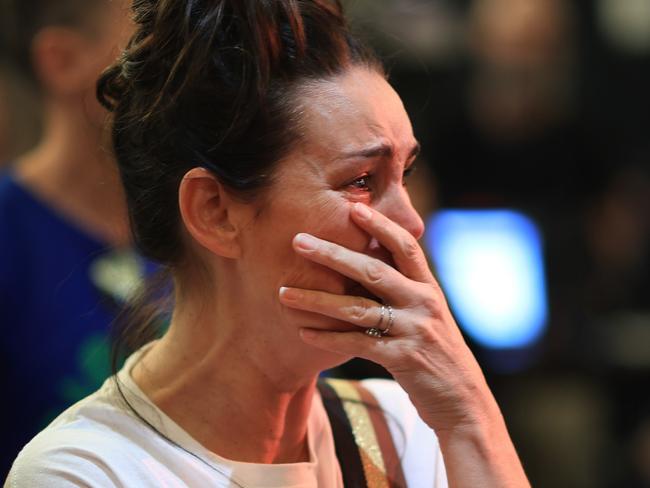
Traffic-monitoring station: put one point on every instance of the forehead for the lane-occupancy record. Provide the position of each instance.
(354, 110)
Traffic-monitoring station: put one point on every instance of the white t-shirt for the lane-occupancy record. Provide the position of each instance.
(100, 442)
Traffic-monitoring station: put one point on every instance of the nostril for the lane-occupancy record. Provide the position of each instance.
(414, 224)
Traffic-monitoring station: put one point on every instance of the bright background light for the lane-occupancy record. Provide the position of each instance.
(490, 265)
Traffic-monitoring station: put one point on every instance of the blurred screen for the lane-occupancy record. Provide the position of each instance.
(490, 264)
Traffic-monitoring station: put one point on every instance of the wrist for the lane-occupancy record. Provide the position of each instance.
(481, 450)
(466, 406)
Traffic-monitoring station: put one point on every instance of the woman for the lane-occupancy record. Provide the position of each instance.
(264, 158)
(63, 224)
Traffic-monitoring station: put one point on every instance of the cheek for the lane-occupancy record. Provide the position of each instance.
(329, 219)
(326, 217)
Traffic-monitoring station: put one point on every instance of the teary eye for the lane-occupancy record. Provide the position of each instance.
(361, 183)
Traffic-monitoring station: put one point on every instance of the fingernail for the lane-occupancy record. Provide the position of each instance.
(290, 294)
(362, 211)
(305, 241)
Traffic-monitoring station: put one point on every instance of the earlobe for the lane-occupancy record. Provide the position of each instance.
(209, 213)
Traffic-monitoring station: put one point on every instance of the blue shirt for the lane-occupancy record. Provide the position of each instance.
(56, 305)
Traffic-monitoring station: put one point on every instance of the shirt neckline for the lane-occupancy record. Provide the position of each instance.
(254, 474)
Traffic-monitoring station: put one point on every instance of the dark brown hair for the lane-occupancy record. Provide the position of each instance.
(214, 83)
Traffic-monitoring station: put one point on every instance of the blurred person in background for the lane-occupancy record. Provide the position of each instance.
(20, 112)
(63, 225)
(514, 139)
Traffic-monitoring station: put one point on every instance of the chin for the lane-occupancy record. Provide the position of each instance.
(319, 360)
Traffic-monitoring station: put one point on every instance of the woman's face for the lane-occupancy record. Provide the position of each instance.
(357, 146)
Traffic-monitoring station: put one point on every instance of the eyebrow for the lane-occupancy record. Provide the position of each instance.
(381, 150)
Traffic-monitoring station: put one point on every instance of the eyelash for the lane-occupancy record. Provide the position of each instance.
(407, 173)
(367, 177)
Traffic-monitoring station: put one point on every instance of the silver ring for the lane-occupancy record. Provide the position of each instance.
(373, 332)
(377, 331)
(382, 312)
(391, 319)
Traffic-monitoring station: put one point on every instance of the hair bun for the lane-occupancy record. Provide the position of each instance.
(212, 83)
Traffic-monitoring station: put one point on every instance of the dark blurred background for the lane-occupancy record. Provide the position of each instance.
(541, 106)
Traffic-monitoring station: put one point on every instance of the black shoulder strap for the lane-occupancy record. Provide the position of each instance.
(364, 445)
(347, 451)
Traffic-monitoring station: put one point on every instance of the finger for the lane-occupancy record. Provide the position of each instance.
(380, 278)
(357, 344)
(405, 249)
(355, 310)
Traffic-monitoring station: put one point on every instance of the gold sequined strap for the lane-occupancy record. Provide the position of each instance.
(381, 464)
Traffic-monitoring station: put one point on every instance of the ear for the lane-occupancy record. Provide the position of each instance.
(209, 213)
(62, 60)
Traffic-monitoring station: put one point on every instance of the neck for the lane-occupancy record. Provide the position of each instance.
(244, 407)
(72, 171)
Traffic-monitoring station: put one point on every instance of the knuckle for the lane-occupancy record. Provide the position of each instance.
(432, 306)
(411, 249)
(358, 310)
(431, 301)
(374, 271)
(426, 331)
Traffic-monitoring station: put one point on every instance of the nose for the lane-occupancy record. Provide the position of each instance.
(397, 207)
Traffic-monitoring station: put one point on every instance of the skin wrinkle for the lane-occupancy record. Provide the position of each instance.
(244, 322)
(338, 170)
(70, 168)
(337, 105)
